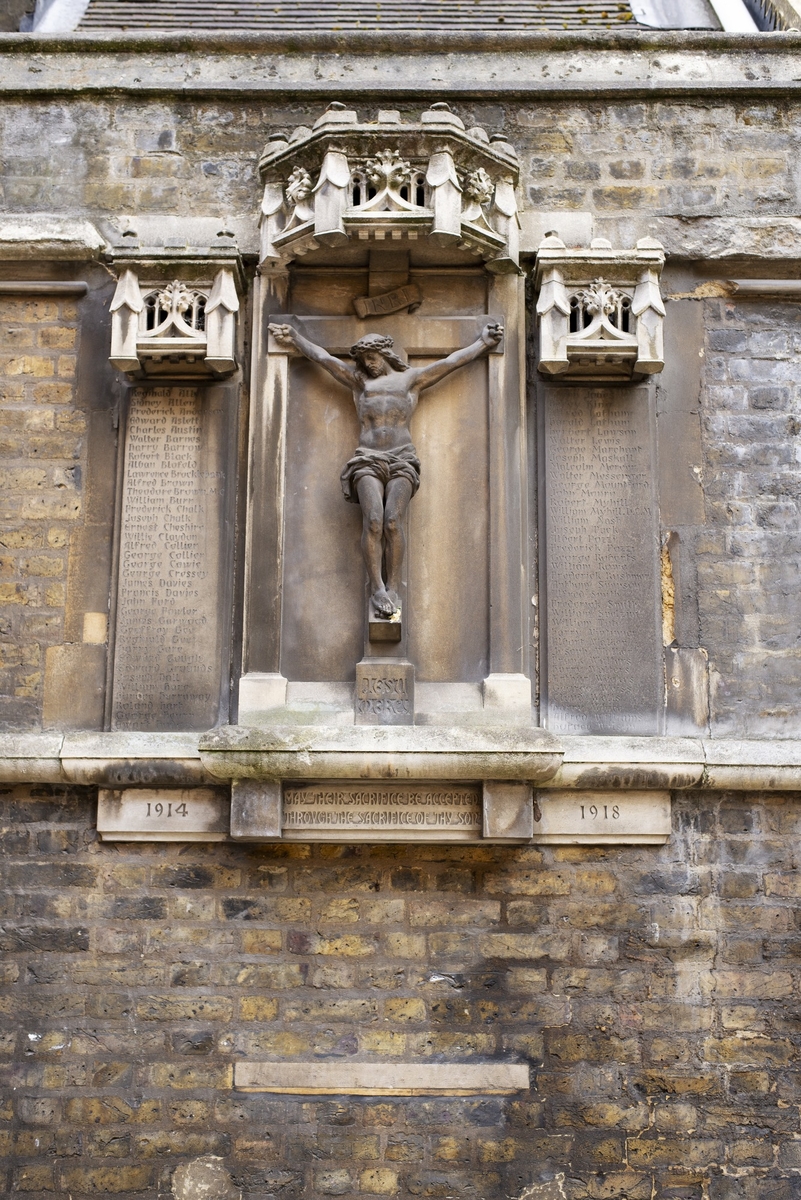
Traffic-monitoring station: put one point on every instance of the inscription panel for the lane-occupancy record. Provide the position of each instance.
(381, 812)
(170, 615)
(163, 815)
(602, 817)
(384, 693)
(602, 636)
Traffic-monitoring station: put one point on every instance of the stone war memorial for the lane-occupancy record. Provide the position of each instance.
(400, 633)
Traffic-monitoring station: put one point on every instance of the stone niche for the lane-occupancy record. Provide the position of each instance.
(174, 334)
(407, 230)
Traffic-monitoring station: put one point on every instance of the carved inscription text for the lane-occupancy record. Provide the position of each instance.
(449, 811)
(167, 650)
(603, 619)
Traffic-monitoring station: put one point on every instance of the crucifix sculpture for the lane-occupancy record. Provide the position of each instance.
(384, 472)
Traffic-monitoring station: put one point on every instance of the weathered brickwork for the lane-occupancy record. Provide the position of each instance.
(652, 159)
(651, 990)
(749, 566)
(41, 445)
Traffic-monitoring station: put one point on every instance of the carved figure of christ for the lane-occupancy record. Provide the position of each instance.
(384, 472)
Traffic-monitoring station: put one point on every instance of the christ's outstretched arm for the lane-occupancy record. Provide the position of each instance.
(287, 334)
(490, 337)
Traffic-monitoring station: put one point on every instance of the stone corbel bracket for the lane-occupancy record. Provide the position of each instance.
(395, 752)
(600, 311)
(387, 180)
(173, 315)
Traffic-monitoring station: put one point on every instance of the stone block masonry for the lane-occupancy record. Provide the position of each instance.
(647, 988)
(749, 558)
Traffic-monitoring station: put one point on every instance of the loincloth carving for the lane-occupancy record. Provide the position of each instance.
(382, 465)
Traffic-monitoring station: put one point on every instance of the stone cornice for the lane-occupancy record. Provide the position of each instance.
(620, 763)
(367, 65)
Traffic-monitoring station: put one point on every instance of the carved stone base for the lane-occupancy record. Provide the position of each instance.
(384, 692)
(383, 629)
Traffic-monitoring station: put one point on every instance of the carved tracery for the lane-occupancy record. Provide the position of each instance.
(600, 312)
(389, 180)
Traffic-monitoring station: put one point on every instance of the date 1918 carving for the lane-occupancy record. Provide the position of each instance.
(610, 811)
(562, 815)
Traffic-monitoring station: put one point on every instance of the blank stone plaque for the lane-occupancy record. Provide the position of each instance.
(170, 618)
(602, 631)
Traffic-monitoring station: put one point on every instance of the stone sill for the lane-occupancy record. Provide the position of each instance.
(115, 760)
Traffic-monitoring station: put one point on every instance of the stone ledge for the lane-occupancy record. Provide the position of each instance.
(35, 236)
(381, 752)
(139, 759)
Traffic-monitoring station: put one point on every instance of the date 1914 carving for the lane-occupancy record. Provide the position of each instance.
(384, 472)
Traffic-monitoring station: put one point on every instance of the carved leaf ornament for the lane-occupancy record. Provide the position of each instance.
(479, 187)
(388, 173)
(600, 311)
(175, 311)
(299, 186)
(298, 192)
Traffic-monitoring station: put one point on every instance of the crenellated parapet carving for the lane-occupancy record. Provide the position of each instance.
(173, 313)
(600, 311)
(389, 180)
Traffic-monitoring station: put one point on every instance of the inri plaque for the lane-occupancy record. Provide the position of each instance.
(168, 644)
(602, 636)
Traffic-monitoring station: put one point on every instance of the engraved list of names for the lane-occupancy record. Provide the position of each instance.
(603, 646)
(167, 645)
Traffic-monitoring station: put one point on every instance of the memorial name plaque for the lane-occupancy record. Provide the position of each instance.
(168, 642)
(602, 632)
(567, 817)
(163, 815)
(384, 692)
(392, 812)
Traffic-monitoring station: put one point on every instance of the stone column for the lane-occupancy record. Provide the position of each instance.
(262, 686)
(507, 689)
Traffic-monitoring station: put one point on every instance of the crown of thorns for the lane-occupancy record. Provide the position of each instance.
(381, 342)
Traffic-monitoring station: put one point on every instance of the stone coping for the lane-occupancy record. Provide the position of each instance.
(139, 759)
(368, 65)
(302, 41)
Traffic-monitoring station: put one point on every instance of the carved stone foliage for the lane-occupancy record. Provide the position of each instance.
(600, 311)
(389, 180)
(174, 311)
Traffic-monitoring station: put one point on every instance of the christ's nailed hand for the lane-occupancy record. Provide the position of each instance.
(284, 334)
(492, 333)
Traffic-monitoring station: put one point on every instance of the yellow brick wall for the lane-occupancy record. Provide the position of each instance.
(41, 444)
